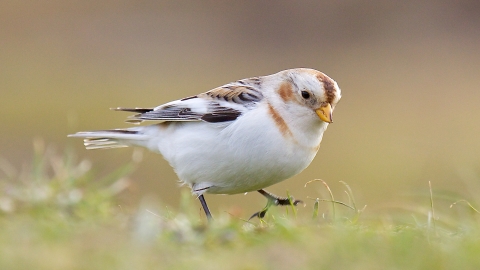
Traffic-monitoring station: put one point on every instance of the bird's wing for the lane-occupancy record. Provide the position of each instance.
(225, 103)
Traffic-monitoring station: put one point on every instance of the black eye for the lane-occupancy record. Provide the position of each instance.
(305, 95)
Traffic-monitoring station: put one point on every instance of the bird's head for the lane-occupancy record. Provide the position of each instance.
(310, 89)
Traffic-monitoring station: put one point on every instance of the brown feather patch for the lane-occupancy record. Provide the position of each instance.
(234, 93)
(285, 91)
(329, 86)
(281, 124)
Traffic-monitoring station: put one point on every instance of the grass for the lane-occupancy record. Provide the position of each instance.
(57, 214)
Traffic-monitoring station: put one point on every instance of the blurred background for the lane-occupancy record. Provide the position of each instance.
(409, 71)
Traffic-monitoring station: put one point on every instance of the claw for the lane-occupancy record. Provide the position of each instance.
(297, 202)
(259, 214)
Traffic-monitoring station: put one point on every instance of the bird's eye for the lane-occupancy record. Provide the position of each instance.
(305, 95)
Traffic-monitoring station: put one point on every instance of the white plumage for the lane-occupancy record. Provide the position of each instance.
(243, 136)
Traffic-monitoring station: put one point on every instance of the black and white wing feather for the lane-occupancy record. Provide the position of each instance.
(225, 103)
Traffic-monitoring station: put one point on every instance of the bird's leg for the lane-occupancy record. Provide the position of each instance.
(205, 207)
(273, 199)
(279, 200)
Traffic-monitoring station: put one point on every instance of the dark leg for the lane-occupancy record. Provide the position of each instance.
(273, 200)
(278, 200)
(205, 207)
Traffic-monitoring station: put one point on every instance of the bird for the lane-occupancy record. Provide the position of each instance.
(241, 137)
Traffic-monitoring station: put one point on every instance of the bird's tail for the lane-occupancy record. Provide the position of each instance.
(115, 138)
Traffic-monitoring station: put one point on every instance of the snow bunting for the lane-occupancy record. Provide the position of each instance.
(240, 137)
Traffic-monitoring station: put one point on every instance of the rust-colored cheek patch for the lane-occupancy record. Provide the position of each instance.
(285, 91)
(279, 122)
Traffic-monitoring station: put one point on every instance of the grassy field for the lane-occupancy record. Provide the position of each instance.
(408, 117)
(57, 214)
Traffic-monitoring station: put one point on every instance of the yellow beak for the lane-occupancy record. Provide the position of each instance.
(325, 113)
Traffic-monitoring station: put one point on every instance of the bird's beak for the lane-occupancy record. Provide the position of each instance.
(325, 113)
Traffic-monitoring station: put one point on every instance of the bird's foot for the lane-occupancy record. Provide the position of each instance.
(274, 200)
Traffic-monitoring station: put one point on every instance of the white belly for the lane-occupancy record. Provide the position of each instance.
(230, 160)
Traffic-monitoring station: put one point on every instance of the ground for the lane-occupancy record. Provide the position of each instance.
(59, 215)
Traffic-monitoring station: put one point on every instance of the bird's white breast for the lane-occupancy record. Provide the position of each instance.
(248, 154)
